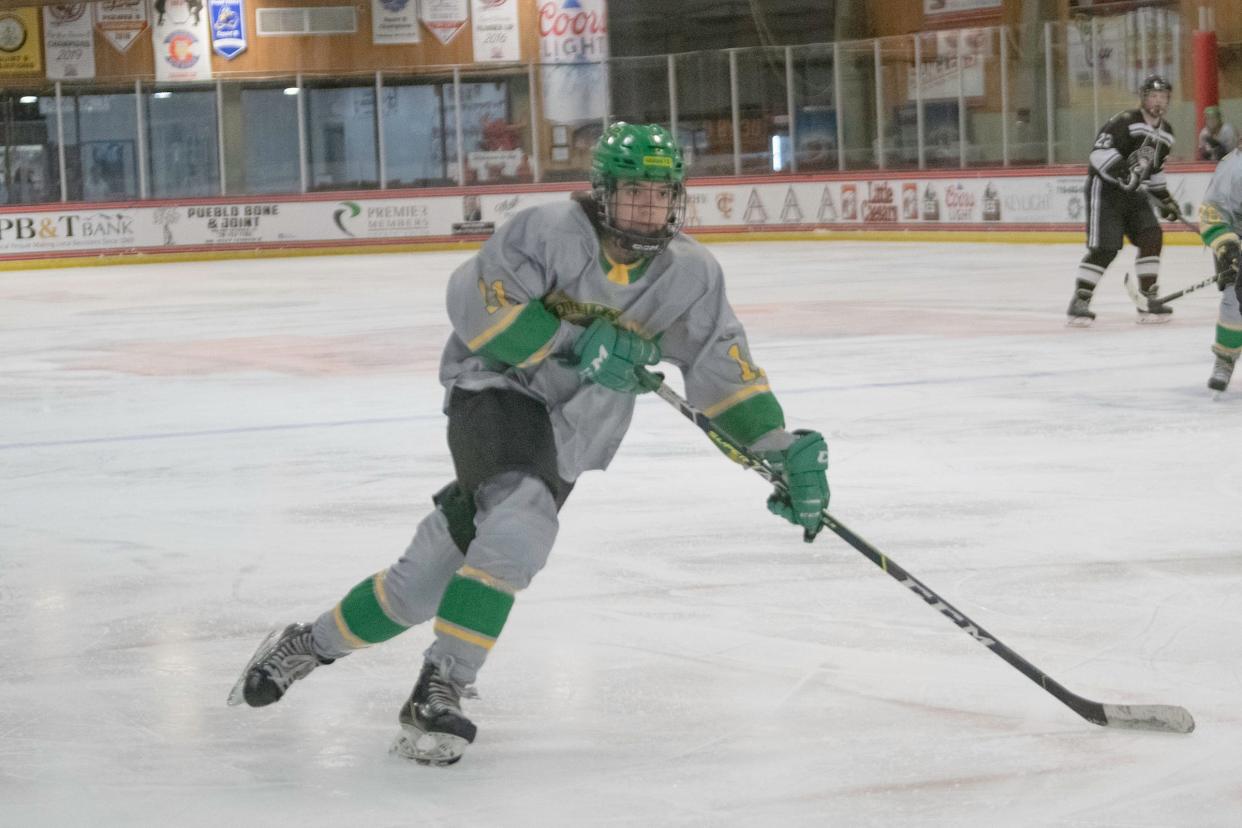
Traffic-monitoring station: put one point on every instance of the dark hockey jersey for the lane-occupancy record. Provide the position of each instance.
(1117, 147)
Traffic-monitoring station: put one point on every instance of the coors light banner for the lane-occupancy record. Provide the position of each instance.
(573, 44)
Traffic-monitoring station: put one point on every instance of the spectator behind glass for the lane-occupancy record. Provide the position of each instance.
(1217, 139)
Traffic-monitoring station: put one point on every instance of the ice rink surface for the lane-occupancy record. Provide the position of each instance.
(193, 452)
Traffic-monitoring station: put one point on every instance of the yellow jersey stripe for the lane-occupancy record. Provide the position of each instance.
(495, 330)
(470, 637)
(343, 628)
(476, 574)
(732, 400)
(381, 594)
(537, 357)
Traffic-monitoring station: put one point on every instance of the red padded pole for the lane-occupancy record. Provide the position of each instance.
(1206, 73)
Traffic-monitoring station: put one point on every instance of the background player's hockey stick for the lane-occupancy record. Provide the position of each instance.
(1143, 303)
(1163, 717)
(1211, 280)
(1136, 296)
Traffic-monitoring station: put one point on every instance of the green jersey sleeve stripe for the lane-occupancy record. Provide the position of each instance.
(1211, 233)
(524, 335)
(751, 418)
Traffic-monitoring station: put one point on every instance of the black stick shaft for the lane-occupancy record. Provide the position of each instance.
(1092, 711)
(1180, 293)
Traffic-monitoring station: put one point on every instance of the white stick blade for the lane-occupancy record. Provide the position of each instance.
(1135, 295)
(1166, 717)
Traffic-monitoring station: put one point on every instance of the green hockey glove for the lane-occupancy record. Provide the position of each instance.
(804, 467)
(1227, 254)
(609, 355)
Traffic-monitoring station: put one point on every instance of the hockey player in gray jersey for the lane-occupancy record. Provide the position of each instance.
(1220, 219)
(552, 320)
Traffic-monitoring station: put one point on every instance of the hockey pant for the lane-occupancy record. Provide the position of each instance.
(470, 597)
(491, 533)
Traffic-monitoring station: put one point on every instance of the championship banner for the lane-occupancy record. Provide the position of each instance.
(496, 33)
(1109, 51)
(21, 50)
(179, 38)
(934, 7)
(69, 42)
(394, 21)
(944, 78)
(573, 45)
(228, 27)
(443, 18)
(120, 21)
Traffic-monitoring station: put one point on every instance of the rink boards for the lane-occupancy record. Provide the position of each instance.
(1042, 204)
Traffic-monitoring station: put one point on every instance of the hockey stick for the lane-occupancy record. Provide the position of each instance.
(1180, 216)
(1143, 303)
(1211, 280)
(1164, 717)
(1136, 296)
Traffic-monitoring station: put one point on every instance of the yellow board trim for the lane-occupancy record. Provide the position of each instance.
(448, 628)
(496, 330)
(352, 640)
(730, 401)
(998, 236)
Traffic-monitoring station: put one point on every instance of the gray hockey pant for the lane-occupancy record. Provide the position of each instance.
(1229, 325)
(515, 526)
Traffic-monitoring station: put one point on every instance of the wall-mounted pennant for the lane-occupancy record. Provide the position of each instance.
(121, 21)
(21, 49)
(443, 18)
(180, 39)
(394, 21)
(228, 27)
(68, 41)
(496, 33)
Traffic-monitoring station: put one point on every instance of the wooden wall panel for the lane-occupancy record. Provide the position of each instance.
(319, 54)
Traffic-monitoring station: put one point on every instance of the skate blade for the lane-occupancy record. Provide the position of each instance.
(434, 749)
(237, 694)
(1079, 322)
(1154, 318)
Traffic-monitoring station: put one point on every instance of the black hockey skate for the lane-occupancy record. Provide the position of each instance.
(1078, 314)
(1156, 313)
(284, 656)
(433, 729)
(1221, 372)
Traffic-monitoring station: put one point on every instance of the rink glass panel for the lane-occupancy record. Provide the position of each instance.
(101, 143)
(261, 145)
(183, 152)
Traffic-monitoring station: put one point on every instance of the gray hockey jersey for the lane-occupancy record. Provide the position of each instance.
(1220, 214)
(518, 305)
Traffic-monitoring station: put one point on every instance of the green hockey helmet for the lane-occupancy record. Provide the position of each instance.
(628, 153)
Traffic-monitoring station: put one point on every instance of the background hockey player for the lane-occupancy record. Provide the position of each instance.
(551, 321)
(1126, 164)
(1220, 218)
(1218, 138)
